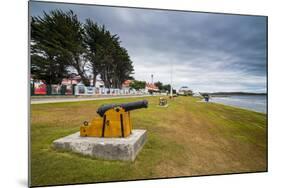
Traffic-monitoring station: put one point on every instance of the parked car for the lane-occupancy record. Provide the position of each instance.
(185, 91)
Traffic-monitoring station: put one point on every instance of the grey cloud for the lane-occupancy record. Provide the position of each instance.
(211, 52)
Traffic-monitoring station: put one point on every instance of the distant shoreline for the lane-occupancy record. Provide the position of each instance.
(256, 103)
(234, 93)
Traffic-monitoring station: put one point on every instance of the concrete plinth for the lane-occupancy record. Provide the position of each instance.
(105, 148)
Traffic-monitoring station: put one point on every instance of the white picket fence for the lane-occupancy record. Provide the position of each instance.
(84, 90)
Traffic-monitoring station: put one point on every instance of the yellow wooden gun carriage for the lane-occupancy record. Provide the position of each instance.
(114, 120)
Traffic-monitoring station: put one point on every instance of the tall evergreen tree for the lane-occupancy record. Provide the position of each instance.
(61, 45)
(46, 60)
(57, 45)
(107, 58)
(94, 39)
(124, 67)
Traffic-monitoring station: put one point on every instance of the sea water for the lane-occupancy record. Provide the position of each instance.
(256, 103)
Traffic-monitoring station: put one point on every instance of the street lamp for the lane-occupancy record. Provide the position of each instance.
(171, 88)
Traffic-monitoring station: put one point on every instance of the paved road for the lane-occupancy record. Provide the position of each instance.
(42, 100)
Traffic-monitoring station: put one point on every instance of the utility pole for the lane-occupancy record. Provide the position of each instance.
(171, 89)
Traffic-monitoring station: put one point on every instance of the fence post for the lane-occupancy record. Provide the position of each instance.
(32, 90)
(63, 89)
(49, 89)
(73, 89)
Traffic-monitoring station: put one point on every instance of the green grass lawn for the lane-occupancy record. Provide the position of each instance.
(188, 138)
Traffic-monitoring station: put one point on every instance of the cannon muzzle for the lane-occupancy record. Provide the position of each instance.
(126, 106)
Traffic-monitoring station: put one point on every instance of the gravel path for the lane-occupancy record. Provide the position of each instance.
(42, 100)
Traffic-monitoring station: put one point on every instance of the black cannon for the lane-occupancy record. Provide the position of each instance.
(114, 120)
(126, 106)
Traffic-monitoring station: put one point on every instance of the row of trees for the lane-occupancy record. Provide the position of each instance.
(137, 84)
(141, 85)
(163, 87)
(61, 45)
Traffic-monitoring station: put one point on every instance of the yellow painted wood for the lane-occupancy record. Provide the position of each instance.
(112, 126)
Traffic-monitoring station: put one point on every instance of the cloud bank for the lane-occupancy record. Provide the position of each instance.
(206, 52)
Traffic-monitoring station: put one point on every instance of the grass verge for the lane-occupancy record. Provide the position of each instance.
(185, 139)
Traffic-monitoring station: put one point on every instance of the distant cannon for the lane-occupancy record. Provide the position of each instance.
(205, 96)
(114, 120)
(163, 102)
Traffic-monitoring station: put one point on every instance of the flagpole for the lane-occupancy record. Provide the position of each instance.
(171, 89)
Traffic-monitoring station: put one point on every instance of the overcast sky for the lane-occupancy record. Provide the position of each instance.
(208, 52)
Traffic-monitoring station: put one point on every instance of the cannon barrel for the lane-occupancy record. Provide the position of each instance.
(126, 106)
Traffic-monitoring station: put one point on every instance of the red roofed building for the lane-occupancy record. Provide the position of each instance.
(150, 87)
(74, 79)
(126, 83)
